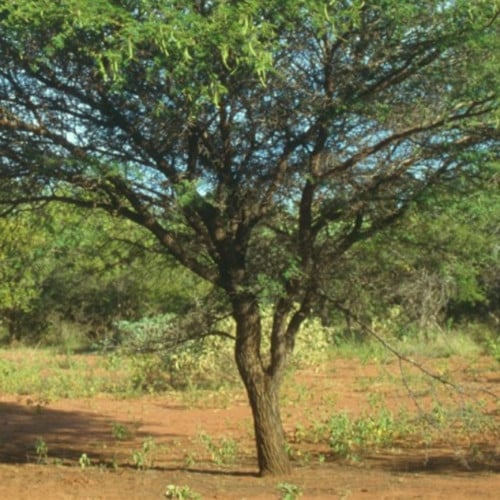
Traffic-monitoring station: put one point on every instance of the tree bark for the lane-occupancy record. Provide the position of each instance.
(270, 439)
(263, 393)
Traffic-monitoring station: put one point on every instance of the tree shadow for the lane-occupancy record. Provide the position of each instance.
(250, 470)
(26, 428)
(66, 434)
(484, 458)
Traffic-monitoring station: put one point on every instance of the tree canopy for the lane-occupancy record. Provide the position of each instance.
(257, 141)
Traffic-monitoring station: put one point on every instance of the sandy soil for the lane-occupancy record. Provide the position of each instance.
(113, 432)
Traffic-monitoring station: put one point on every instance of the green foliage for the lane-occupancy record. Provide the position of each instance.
(289, 491)
(223, 452)
(144, 458)
(120, 432)
(493, 346)
(214, 67)
(165, 359)
(41, 451)
(259, 146)
(67, 277)
(25, 249)
(181, 492)
(438, 265)
(84, 461)
(21, 241)
(350, 438)
(48, 376)
(176, 37)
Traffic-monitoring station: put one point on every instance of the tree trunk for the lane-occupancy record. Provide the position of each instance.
(269, 434)
(263, 392)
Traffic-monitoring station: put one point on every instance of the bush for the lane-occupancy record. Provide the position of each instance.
(350, 438)
(168, 358)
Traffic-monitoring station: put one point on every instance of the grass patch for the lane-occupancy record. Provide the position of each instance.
(352, 437)
(49, 376)
(440, 345)
(199, 375)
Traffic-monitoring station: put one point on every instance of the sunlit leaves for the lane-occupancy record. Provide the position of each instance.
(23, 248)
(259, 135)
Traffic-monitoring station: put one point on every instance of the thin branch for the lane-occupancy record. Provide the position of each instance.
(471, 111)
(156, 346)
(401, 357)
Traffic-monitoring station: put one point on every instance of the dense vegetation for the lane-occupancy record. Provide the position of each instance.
(67, 279)
(65, 274)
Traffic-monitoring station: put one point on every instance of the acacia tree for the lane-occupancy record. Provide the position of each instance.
(257, 141)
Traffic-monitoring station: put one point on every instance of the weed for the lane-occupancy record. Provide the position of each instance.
(195, 397)
(299, 433)
(50, 376)
(181, 492)
(349, 438)
(493, 346)
(149, 374)
(190, 459)
(120, 432)
(84, 461)
(113, 464)
(467, 420)
(222, 453)
(144, 458)
(289, 491)
(41, 451)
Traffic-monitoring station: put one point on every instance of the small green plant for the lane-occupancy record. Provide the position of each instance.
(144, 458)
(289, 491)
(114, 465)
(41, 451)
(120, 432)
(493, 346)
(181, 492)
(222, 453)
(190, 459)
(84, 461)
(349, 438)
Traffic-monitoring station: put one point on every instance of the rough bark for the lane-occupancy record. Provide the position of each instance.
(269, 434)
(262, 387)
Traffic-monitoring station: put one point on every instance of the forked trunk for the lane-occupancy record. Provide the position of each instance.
(263, 394)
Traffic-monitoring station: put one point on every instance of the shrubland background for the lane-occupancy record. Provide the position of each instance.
(88, 283)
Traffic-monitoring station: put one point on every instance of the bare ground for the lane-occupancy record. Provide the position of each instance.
(113, 432)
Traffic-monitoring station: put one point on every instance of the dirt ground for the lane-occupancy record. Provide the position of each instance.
(167, 435)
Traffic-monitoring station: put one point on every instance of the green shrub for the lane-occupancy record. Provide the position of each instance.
(181, 492)
(351, 438)
(164, 358)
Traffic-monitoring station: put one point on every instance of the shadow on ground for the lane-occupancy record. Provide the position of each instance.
(66, 434)
(70, 433)
(483, 458)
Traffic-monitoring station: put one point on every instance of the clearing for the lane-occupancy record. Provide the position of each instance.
(107, 447)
